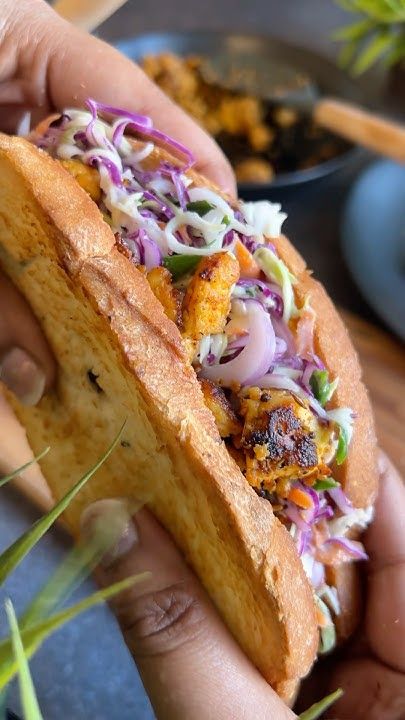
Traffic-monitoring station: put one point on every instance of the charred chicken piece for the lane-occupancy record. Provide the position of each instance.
(216, 400)
(160, 281)
(283, 441)
(208, 297)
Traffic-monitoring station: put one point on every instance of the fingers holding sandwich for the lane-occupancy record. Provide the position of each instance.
(134, 91)
(27, 367)
(49, 65)
(189, 663)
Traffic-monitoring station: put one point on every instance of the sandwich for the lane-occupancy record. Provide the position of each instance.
(188, 315)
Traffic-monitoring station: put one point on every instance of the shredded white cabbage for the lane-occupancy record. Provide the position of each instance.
(344, 418)
(360, 517)
(277, 271)
(265, 217)
(203, 348)
(327, 633)
(211, 344)
(262, 218)
(330, 596)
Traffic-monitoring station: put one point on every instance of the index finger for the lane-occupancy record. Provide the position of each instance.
(81, 66)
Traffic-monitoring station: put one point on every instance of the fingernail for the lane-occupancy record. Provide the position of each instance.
(22, 375)
(382, 462)
(110, 518)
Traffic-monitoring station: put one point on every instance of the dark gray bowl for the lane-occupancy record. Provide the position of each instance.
(261, 49)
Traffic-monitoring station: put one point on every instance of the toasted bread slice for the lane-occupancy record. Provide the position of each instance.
(120, 358)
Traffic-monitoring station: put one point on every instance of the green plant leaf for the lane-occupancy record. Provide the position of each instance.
(397, 52)
(73, 570)
(33, 636)
(28, 697)
(375, 49)
(316, 710)
(356, 31)
(6, 478)
(11, 557)
(347, 54)
(383, 11)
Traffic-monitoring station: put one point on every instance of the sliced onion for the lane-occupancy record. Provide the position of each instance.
(302, 540)
(353, 547)
(286, 371)
(239, 342)
(341, 500)
(325, 513)
(283, 331)
(293, 514)
(281, 349)
(310, 514)
(255, 357)
(318, 574)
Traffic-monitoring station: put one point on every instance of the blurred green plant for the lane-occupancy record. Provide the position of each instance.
(318, 709)
(377, 34)
(40, 620)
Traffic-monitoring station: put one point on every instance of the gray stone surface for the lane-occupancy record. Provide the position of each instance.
(84, 671)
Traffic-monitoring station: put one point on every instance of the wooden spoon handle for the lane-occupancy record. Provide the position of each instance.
(87, 14)
(362, 127)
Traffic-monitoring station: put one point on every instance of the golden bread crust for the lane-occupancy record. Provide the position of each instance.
(121, 358)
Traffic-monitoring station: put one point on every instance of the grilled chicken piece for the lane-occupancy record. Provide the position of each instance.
(283, 441)
(225, 418)
(87, 177)
(208, 296)
(160, 281)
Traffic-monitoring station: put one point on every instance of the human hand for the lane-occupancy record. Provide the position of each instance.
(189, 662)
(371, 668)
(192, 667)
(46, 64)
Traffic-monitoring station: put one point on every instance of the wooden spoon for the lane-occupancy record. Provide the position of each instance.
(284, 85)
(87, 14)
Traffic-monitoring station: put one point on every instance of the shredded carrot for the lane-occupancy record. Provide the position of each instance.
(300, 498)
(320, 617)
(248, 265)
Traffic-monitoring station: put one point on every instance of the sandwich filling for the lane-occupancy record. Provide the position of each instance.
(213, 266)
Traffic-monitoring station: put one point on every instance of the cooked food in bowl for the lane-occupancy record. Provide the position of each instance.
(260, 138)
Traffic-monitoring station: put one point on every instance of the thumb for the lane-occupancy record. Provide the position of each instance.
(189, 663)
(26, 364)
